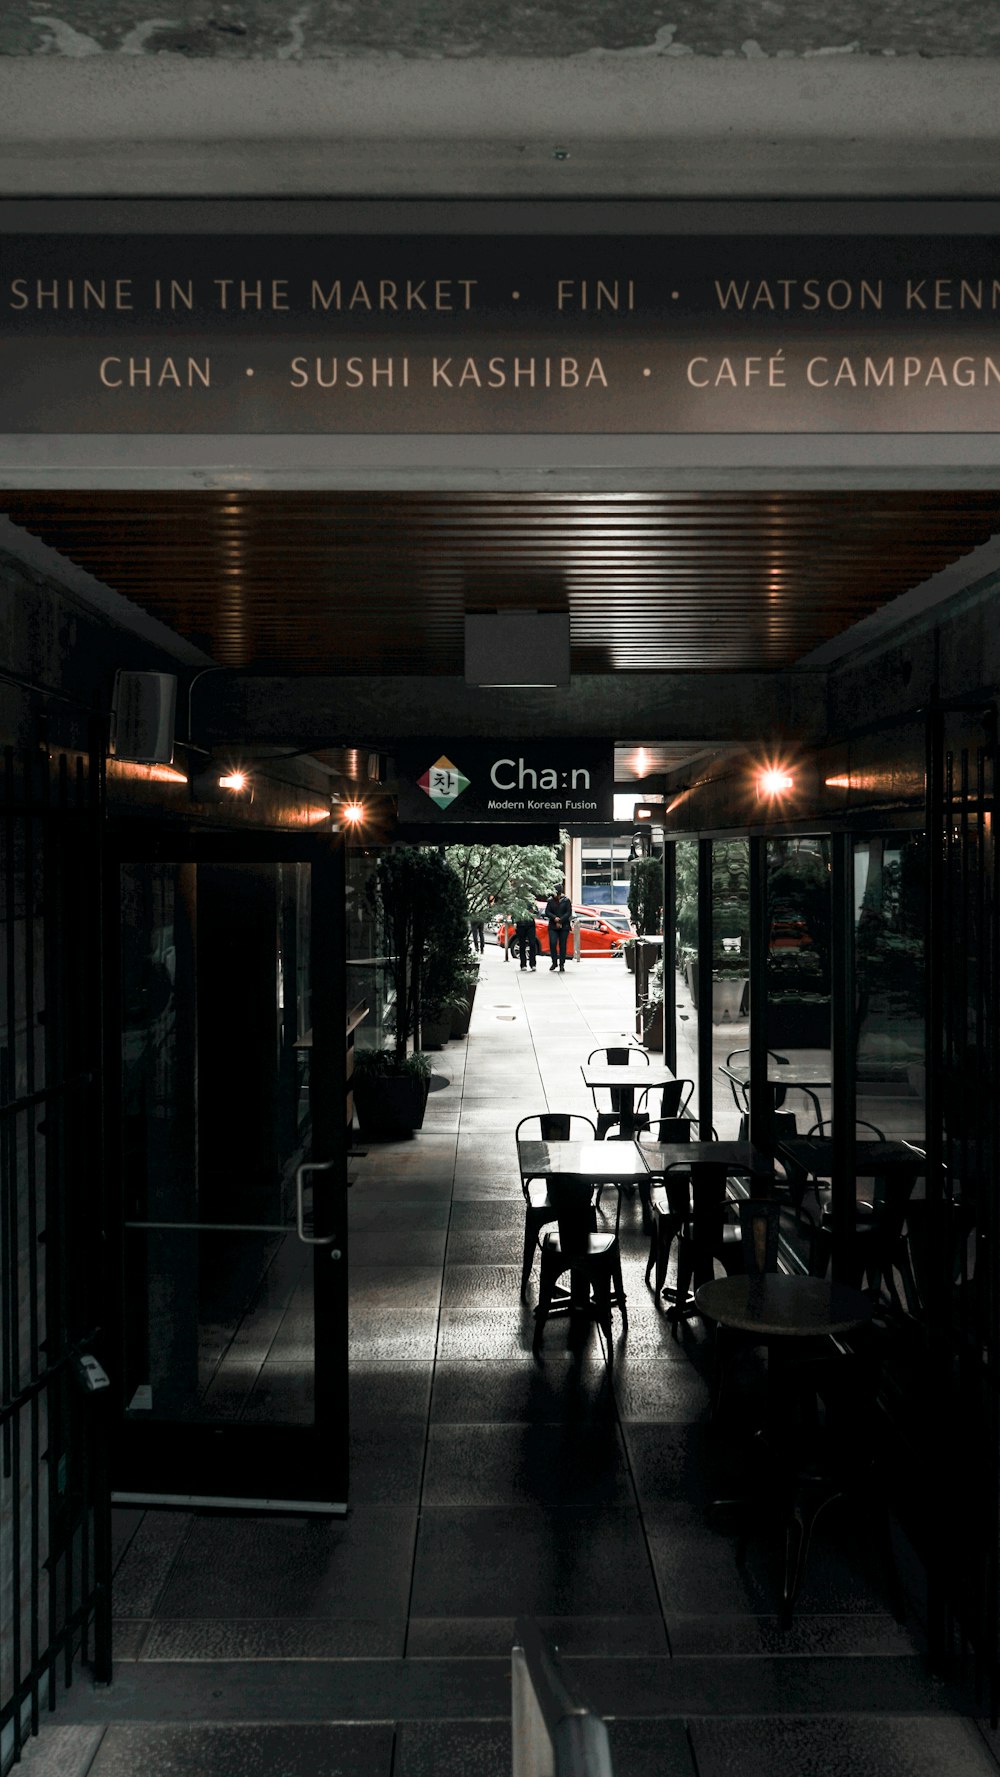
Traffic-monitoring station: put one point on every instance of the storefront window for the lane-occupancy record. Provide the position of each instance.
(686, 855)
(730, 982)
(369, 979)
(797, 936)
(889, 924)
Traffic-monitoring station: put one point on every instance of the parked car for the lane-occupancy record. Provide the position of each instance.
(598, 937)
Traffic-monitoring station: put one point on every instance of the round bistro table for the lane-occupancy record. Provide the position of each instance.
(780, 1307)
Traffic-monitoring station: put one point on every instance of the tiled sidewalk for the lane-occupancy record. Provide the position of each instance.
(485, 1485)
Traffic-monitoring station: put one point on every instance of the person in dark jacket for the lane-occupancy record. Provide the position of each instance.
(559, 913)
(526, 939)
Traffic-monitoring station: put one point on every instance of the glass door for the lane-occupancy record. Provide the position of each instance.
(229, 1006)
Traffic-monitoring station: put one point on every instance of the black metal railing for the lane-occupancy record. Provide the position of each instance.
(54, 1511)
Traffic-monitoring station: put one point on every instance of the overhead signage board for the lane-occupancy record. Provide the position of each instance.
(473, 781)
(258, 334)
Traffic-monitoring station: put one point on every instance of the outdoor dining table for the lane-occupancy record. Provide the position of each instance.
(603, 1162)
(627, 1081)
(814, 1154)
(779, 1307)
(785, 1073)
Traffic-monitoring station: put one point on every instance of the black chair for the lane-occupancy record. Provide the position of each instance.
(547, 1126)
(590, 1257)
(609, 1101)
(707, 1233)
(675, 1098)
(659, 1218)
(741, 1092)
(825, 1449)
(760, 1224)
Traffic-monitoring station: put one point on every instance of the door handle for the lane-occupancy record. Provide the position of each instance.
(300, 1177)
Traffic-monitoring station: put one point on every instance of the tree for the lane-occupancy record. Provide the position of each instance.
(645, 894)
(508, 876)
(423, 917)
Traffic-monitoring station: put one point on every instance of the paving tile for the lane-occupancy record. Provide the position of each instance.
(651, 1748)
(399, 1287)
(287, 1567)
(861, 1634)
(557, 1562)
(504, 1392)
(597, 1637)
(487, 1246)
(666, 1390)
(453, 1749)
(687, 1463)
(469, 1465)
(388, 1247)
(246, 1750)
(268, 1638)
(127, 1637)
(837, 1746)
(125, 1521)
(398, 1216)
(389, 1393)
(470, 1214)
(146, 1564)
(697, 1572)
(60, 1751)
(386, 1463)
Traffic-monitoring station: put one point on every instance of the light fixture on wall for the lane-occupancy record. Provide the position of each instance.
(527, 650)
(222, 783)
(773, 781)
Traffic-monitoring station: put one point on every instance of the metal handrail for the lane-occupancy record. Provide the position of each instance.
(552, 1734)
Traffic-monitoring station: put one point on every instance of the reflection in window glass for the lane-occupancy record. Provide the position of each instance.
(889, 923)
(797, 938)
(730, 982)
(686, 856)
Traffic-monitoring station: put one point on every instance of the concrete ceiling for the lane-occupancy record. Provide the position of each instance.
(304, 29)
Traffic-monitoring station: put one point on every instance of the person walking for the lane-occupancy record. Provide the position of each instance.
(477, 928)
(559, 913)
(526, 939)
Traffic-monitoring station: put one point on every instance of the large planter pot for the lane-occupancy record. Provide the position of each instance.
(461, 1019)
(389, 1107)
(435, 1033)
(652, 1034)
(629, 950)
(727, 999)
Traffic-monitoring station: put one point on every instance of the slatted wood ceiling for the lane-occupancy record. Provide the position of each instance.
(377, 583)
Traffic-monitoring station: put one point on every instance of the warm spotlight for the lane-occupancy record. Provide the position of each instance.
(233, 780)
(353, 813)
(774, 780)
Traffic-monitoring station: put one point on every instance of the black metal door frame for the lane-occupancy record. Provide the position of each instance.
(53, 1433)
(167, 1462)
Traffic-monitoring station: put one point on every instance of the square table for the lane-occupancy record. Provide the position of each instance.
(627, 1081)
(603, 1162)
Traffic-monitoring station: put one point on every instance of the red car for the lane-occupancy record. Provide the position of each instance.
(597, 936)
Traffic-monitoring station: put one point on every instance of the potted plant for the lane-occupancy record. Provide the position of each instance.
(420, 909)
(390, 1099)
(461, 1015)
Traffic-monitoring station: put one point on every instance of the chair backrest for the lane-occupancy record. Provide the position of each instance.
(861, 1127)
(572, 1199)
(675, 1097)
(759, 1226)
(619, 1057)
(677, 1184)
(666, 1129)
(741, 1093)
(556, 1126)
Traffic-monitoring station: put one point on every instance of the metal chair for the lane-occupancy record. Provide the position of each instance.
(741, 1091)
(675, 1098)
(549, 1126)
(609, 1100)
(705, 1235)
(759, 1222)
(591, 1257)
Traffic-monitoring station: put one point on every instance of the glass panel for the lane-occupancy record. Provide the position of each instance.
(218, 1314)
(797, 937)
(889, 926)
(368, 979)
(686, 866)
(730, 980)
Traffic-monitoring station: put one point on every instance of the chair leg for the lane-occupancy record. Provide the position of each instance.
(619, 1283)
(602, 1302)
(546, 1284)
(534, 1221)
(666, 1230)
